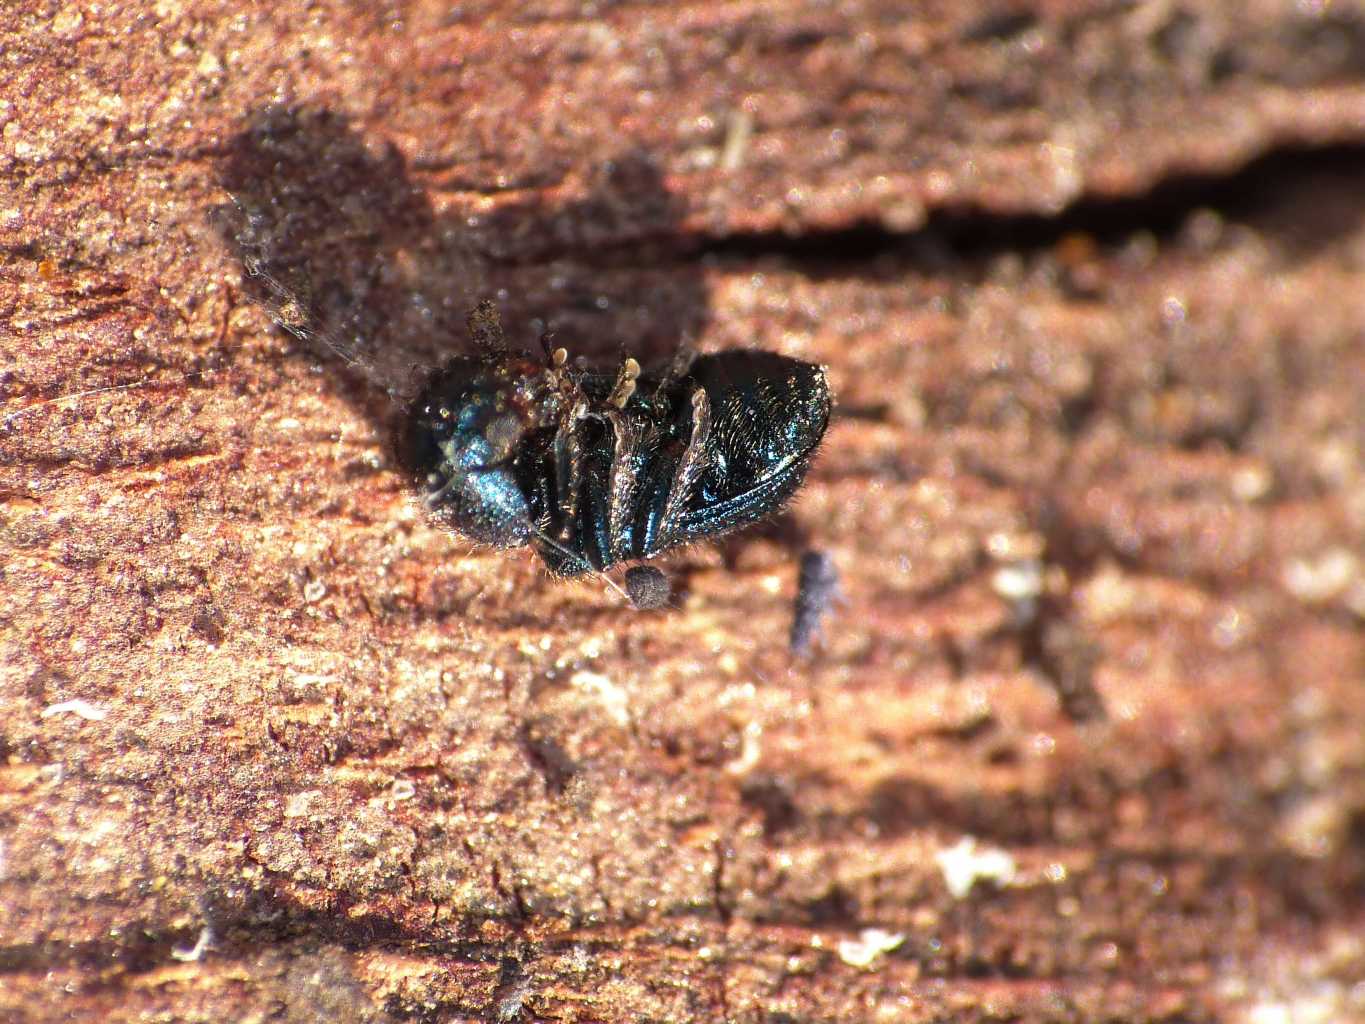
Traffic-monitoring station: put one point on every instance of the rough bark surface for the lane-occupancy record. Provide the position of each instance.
(1082, 738)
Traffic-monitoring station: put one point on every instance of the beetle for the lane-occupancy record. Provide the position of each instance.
(593, 469)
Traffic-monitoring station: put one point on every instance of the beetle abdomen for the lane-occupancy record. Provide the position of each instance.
(769, 414)
(666, 468)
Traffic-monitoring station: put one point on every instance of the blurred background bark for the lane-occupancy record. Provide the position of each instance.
(1082, 740)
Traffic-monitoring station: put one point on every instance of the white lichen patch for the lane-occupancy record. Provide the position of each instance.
(197, 951)
(870, 945)
(80, 708)
(963, 865)
(1323, 1003)
(1315, 827)
(1318, 580)
(1018, 581)
(750, 751)
(300, 805)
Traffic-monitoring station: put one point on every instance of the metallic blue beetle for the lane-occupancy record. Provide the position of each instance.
(594, 469)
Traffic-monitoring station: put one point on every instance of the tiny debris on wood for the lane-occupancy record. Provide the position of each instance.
(817, 588)
(647, 586)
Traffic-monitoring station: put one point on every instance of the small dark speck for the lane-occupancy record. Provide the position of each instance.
(817, 588)
(1000, 25)
(207, 622)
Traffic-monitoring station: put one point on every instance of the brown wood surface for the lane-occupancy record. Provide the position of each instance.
(1089, 278)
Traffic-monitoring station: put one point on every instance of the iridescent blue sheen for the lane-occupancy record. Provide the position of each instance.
(466, 445)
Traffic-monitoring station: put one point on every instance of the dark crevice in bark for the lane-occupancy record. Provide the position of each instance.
(953, 234)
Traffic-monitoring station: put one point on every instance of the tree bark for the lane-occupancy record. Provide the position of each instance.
(1080, 740)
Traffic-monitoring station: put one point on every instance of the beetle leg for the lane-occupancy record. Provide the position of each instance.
(690, 468)
(621, 482)
(568, 468)
(625, 384)
(555, 357)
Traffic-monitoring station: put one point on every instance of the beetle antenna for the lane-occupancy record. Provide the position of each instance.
(550, 542)
(283, 305)
(73, 396)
